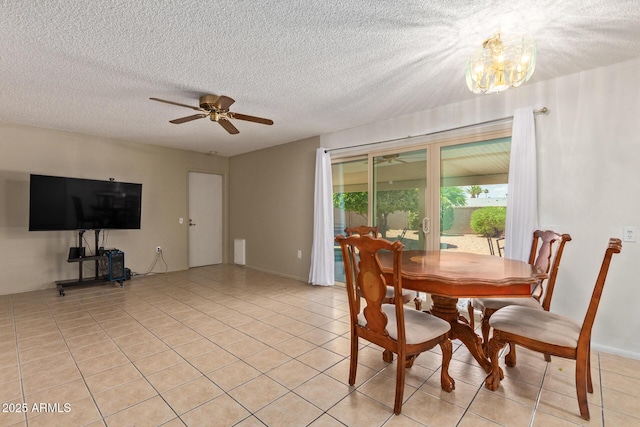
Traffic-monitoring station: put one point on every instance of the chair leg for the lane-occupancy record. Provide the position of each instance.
(353, 365)
(589, 384)
(406, 299)
(472, 321)
(400, 374)
(492, 382)
(484, 327)
(418, 301)
(447, 383)
(582, 362)
(510, 358)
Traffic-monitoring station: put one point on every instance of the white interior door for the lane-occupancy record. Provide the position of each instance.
(205, 219)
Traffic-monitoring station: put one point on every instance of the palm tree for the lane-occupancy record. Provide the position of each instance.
(474, 190)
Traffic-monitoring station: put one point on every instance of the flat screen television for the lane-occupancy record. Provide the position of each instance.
(59, 203)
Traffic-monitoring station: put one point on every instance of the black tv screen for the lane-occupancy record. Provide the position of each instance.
(59, 203)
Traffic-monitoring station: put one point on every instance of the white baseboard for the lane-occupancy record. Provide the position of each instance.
(616, 351)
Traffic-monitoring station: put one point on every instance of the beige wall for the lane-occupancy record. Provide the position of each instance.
(34, 260)
(271, 206)
(588, 152)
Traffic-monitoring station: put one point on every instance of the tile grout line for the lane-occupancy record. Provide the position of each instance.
(289, 390)
(20, 376)
(225, 392)
(159, 394)
(223, 349)
(187, 292)
(82, 375)
(539, 396)
(600, 388)
(91, 394)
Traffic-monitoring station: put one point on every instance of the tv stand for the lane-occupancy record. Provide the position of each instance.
(97, 258)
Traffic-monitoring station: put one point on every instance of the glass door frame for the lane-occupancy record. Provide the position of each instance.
(433, 145)
(436, 171)
(428, 208)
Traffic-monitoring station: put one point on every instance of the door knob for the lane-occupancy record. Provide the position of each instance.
(191, 223)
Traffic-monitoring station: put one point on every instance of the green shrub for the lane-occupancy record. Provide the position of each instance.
(489, 221)
(446, 214)
(413, 220)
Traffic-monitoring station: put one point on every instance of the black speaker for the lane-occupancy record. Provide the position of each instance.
(116, 266)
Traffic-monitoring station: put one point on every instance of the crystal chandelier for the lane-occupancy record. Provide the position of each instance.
(501, 63)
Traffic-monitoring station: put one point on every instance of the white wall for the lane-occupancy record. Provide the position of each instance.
(588, 150)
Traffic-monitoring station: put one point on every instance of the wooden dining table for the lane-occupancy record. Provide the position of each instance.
(448, 276)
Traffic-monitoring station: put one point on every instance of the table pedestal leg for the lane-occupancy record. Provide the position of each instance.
(446, 309)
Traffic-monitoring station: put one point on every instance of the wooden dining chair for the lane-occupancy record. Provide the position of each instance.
(404, 333)
(540, 256)
(365, 230)
(550, 333)
(362, 230)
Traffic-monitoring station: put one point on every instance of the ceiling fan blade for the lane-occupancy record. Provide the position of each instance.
(224, 102)
(177, 103)
(251, 118)
(228, 126)
(188, 119)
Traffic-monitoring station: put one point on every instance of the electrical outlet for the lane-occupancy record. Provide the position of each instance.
(629, 234)
(158, 249)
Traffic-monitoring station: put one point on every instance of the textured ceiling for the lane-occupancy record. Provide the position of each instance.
(314, 67)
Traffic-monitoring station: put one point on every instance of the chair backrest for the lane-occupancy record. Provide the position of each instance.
(615, 246)
(364, 278)
(541, 256)
(547, 259)
(363, 230)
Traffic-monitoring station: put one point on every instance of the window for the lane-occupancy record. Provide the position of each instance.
(350, 201)
(427, 197)
(474, 177)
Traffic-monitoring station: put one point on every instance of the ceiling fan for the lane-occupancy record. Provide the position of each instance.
(390, 158)
(216, 107)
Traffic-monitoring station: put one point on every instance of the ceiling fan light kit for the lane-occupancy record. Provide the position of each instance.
(216, 107)
(501, 63)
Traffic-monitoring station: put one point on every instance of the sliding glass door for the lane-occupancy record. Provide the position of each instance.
(400, 197)
(473, 202)
(350, 194)
(350, 201)
(429, 198)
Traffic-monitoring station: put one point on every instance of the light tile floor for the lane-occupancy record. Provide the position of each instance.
(226, 345)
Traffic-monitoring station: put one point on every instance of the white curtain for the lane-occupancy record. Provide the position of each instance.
(522, 199)
(322, 257)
